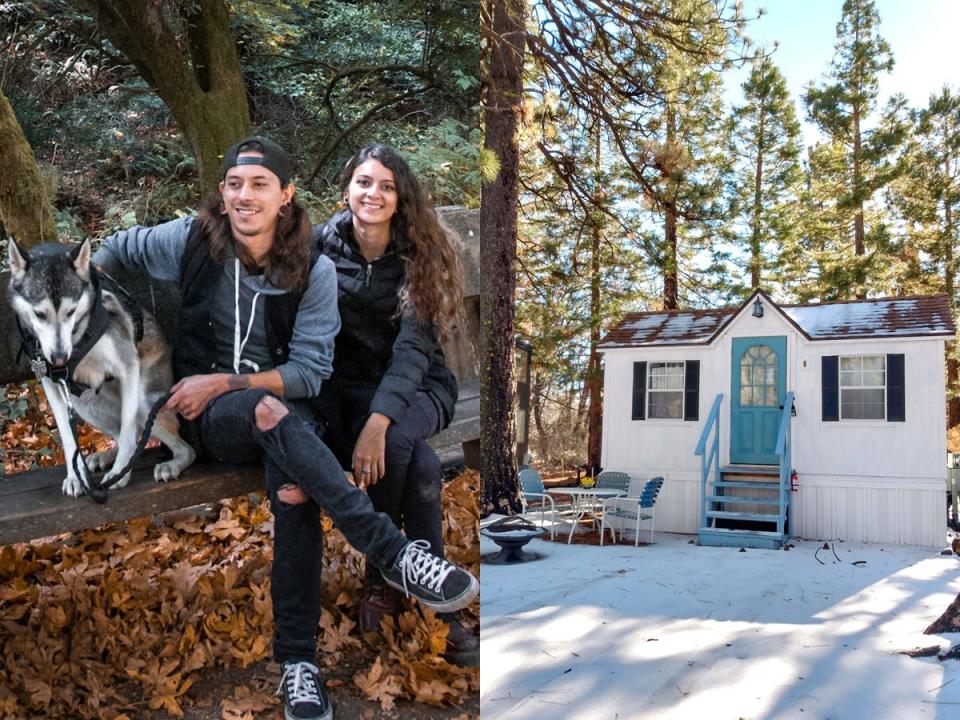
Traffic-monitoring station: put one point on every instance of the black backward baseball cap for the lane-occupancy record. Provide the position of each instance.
(274, 158)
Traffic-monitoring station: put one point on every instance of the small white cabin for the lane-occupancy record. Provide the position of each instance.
(848, 395)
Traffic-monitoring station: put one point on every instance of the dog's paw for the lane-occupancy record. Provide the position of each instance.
(101, 460)
(166, 471)
(122, 482)
(72, 486)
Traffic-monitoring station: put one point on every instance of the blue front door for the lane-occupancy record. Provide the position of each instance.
(759, 386)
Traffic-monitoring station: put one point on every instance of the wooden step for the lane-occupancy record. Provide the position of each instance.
(746, 484)
(743, 499)
(763, 540)
(743, 516)
(750, 470)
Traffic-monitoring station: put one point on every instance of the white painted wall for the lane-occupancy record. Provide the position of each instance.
(866, 481)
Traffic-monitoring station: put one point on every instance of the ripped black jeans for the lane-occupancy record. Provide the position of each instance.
(409, 491)
(292, 453)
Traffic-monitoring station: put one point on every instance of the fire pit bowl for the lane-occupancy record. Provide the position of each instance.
(511, 534)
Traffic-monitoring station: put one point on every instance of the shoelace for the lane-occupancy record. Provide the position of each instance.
(301, 683)
(423, 567)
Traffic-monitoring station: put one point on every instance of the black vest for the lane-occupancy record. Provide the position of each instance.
(194, 352)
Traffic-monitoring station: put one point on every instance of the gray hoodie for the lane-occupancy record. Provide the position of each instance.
(157, 250)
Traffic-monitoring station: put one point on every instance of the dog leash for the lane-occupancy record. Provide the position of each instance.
(93, 487)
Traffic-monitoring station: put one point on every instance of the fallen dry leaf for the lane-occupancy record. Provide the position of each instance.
(162, 601)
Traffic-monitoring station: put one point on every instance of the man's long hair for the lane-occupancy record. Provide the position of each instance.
(434, 287)
(288, 260)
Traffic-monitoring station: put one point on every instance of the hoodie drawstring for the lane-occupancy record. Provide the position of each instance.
(239, 345)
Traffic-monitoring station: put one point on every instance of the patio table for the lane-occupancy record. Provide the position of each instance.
(584, 502)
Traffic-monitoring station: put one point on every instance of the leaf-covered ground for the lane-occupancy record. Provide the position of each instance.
(171, 616)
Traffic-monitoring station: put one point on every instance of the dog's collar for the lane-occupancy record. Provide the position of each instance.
(96, 326)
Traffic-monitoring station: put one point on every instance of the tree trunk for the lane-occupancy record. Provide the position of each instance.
(756, 256)
(670, 264)
(594, 372)
(207, 95)
(25, 207)
(504, 29)
(860, 276)
(670, 294)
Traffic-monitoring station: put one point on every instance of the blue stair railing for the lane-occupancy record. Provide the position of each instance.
(711, 459)
(784, 452)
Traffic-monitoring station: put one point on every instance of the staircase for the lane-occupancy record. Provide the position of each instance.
(744, 509)
(743, 505)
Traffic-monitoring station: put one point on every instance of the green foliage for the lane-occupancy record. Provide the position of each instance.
(402, 73)
(69, 227)
(624, 120)
(765, 185)
(842, 108)
(322, 78)
(446, 160)
(926, 199)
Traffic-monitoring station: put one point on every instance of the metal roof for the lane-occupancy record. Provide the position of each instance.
(919, 316)
(678, 327)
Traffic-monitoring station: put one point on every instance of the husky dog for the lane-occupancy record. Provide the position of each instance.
(55, 294)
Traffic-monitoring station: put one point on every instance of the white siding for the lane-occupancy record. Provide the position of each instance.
(867, 481)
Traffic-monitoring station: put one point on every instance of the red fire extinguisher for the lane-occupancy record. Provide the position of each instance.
(794, 481)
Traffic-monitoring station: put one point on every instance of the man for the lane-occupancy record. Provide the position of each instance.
(257, 324)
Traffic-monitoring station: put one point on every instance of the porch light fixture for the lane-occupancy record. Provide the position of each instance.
(758, 308)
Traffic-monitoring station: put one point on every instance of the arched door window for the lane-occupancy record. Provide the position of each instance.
(758, 377)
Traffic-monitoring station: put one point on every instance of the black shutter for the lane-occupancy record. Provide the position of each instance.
(639, 391)
(896, 389)
(830, 386)
(691, 391)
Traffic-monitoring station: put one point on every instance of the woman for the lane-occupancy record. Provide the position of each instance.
(400, 287)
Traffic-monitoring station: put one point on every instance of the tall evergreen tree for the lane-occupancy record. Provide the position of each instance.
(594, 59)
(684, 138)
(927, 200)
(811, 262)
(842, 107)
(767, 180)
(578, 266)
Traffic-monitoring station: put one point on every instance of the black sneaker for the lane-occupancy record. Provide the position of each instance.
(431, 579)
(303, 696)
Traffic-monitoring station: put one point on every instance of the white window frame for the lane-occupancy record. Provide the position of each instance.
(681, 391)
(841, 387)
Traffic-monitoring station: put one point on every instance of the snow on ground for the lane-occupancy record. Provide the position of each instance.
(674, 631)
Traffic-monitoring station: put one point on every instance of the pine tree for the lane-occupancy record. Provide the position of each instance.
(812, 262)
(927, 199)
(577, 266)
(767, 181)
(684, 139)
(842, 107)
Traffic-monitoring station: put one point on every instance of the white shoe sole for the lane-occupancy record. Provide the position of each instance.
(458, 603)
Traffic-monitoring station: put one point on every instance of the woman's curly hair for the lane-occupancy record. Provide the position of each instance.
(434, 285)
(288, 261)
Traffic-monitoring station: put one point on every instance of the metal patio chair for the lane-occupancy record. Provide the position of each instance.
(531, 487)
(642, 507)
